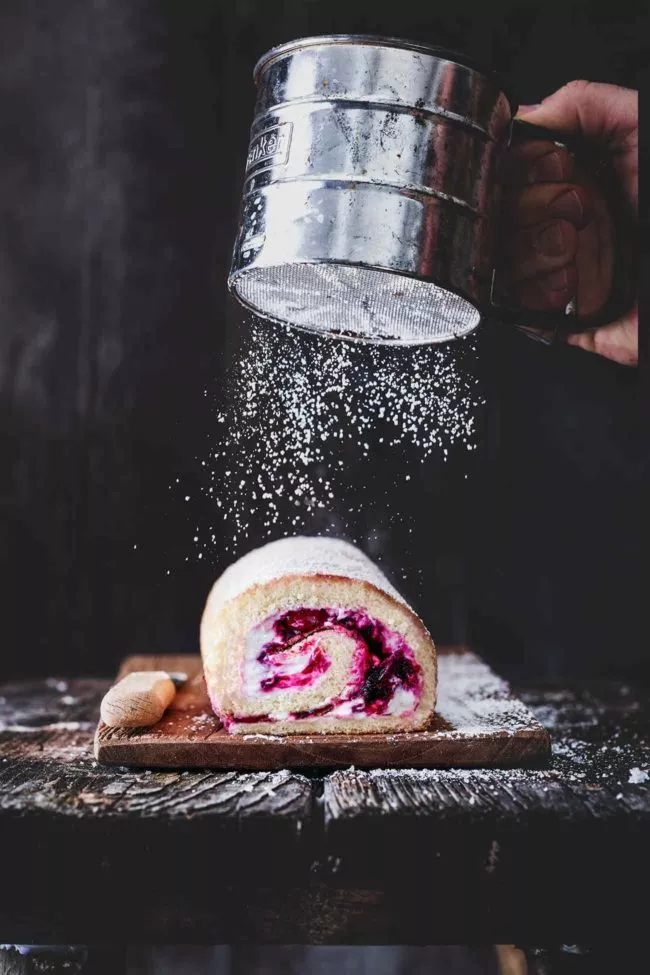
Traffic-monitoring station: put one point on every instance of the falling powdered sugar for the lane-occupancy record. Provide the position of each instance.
(300, 413)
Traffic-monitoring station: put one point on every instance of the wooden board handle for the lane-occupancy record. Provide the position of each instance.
(139, 699)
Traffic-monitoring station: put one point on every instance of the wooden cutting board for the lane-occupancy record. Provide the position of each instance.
(477, 722)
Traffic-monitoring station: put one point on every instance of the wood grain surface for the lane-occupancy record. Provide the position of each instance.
(477, 723)
(381, 856)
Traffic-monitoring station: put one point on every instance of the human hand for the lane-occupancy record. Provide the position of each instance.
(560, 229)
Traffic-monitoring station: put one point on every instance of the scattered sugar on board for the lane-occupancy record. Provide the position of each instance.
(204, 719)
(297, 411)
(258, 736)
(467, 687)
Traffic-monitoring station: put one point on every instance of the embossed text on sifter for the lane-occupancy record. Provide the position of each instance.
(371, 193)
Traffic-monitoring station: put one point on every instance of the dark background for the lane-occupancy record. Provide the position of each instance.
(123, 130)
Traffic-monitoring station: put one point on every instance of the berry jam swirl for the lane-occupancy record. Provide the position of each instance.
(317, 663)
(385, 677)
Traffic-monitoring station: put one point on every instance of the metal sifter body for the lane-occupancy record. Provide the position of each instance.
(371, 200)
(370, 190)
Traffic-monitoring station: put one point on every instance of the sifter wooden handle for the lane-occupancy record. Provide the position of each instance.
(140, 698)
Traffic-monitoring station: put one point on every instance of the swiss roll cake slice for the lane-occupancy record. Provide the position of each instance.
(307, 635)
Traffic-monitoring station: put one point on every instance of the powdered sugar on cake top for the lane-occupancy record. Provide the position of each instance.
(300, 555)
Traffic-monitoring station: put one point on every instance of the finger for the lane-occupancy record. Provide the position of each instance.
(542, 248)
(618, 341)
(548, 292)
(598, 110)
(538, 162)
(534, 204)
(606, 113)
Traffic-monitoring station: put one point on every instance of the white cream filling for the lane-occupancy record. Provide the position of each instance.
(252, 671)
(402, 702)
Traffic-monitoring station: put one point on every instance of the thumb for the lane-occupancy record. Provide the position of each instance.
(602, 112)
(618, 341)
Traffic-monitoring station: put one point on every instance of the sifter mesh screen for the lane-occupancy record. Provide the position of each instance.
(357, 302)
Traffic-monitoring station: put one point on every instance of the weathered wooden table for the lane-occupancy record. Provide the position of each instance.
(97, 855)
